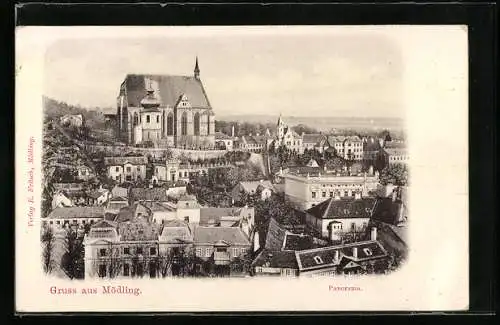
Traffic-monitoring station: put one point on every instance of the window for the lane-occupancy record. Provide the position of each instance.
(318, 260)
(186, 219)
(51, 222)
(138, 168)
(207, 251)
(323, 194)
(180, 174)
(102, 252)
(157, 118)
(198, 251)
(147, 119)
(353, 226)
(170, 124)
(313, 195)
(139, 250)
(331, 194)
(126, 250)
(184, 124)
(197, 123)
(152, 251)
(58, 222)
(367, 251)
(117, 169)
(126, 270)
(102, 270)
(129, 169)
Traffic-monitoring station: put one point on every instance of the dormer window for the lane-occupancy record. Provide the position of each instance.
(367, 251)
(318, 260)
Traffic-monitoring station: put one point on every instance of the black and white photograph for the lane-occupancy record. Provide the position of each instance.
(243, 156)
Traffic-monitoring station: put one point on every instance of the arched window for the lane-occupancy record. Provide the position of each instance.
(170, 124)
(136, 119)
(184, 121)
(197, 123)
(208, 124)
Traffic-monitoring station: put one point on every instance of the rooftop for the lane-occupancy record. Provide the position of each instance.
(212, 235)
(325, 257)
(118, 161)
(149, 194)
(211, 216)
(76, 212)
(138, 230)
(343, 208)
(313, 138)
(276, 259)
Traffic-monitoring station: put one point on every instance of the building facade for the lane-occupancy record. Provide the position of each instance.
(347, 147)
(166, 111)
(126, 169)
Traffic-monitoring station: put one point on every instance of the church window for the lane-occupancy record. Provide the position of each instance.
(208, 124)
(147, 119)
(157, 118)
(197, 124)
(170, 124)
(184, 124)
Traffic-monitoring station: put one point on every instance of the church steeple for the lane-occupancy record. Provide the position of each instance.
(196, 69)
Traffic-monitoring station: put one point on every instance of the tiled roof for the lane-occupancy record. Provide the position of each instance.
(119, 161)
(211, 235)
(104, 224)
(386, 211)
(171, 88)
(76, 212)
(313, 138)
(340, 138)
(128, 213)
(118, 199)
(222, 136)
(394, 144)
(251, 186)
(176, 231)
(276, 259)
(275, 236)
(138, 230)
(96, 194)
(396, 151)
(343, 208)
(148, 194)
(157, 206)
(210, 216)
(325, 257)
(295, 242)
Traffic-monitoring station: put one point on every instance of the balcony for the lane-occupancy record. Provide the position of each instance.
(221, 258)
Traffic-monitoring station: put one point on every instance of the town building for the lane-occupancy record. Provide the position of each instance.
(367, 257)
(336, 218)
(318, 142)
(126, 169)
(287, 137)
(254, 143)
(75, 120)
(98, 197)
(173, 170)
(75, 216)
(393, 155)
(224, 141)
(371, 148)
(84, 173)
(117, 190)
(347, 147)
(115, 204)
(309, 186)
(166, 110)
(61, 199)
(263, 188)
(147, 194)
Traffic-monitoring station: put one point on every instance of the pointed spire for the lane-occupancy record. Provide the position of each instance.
(196, 69)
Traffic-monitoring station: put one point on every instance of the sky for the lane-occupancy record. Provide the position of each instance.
(352, 74)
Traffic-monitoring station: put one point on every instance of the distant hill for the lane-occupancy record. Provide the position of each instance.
(323, 124)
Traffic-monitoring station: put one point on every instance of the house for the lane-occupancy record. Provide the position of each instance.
(157, 194)
(60, 199)
(188, 209)
(318, 142)
(263, 188)
(84, 173)
(75, 120)
(98, 197)
(391, 156)
(132, 212)
(115, 204)
(308, 186)
(161, 212)
(125, 249)
(243, 218)
(336, 218)
(355, 258)
(62, 217)
(126, 169)
(218, 247)
(347, 147)
(119, 191)
(287, 137)
(224, 141)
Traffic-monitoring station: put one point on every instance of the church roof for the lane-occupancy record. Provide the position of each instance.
(169, 90)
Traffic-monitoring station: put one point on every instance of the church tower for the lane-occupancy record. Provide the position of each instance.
(197, 70)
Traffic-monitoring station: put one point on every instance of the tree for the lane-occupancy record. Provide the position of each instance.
(48, 240)
(165, 262)
(72, 260)
(396, 174)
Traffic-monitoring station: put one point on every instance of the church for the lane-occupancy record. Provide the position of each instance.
(165, 111)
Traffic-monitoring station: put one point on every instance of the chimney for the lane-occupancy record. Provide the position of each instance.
(355, 252)
(336, 257)
(232, 131)
(373, 234)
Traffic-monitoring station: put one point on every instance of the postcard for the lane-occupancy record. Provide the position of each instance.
(241, 169)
